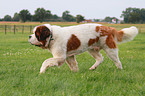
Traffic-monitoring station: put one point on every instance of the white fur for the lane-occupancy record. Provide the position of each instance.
(129, 34)
(84, 32)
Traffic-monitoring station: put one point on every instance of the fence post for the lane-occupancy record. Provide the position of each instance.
(14, 28)
(22, 29)
(30, 28)
(5, 29)
(140, 29)
(1, 26)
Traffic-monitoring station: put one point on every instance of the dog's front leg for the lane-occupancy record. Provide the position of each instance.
(51, 62)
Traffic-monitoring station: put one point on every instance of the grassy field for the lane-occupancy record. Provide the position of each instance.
(20, 63)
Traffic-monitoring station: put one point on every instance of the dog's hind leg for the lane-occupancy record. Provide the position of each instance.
(96, 54)
(113, 55)
(51, 62)
(72, 63)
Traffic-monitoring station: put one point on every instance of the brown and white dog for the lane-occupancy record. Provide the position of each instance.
(66, 42)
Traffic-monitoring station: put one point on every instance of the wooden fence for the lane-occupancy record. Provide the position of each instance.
(16, 28)
(29, 28)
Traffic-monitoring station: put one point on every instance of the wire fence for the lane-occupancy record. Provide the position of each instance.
(16, 29)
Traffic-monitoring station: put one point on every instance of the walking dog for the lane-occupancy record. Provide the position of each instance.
(66, 42)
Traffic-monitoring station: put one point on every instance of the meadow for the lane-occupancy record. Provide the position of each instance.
(20, 63)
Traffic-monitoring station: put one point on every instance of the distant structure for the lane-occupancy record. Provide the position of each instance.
(113, 21)
(116, 21)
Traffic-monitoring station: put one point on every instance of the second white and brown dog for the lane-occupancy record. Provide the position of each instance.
(66, 42)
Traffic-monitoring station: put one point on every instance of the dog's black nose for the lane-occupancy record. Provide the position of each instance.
(30, 36)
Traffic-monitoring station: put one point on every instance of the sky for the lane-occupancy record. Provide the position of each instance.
(91, 9)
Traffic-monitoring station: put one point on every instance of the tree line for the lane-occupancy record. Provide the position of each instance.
(42, 15)
(134, 15)
(130, 15)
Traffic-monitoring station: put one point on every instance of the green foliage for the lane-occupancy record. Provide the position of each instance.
(142, 15)
(7, 18)
(108, 19)
(1, 19)
(20, 63)
(55, 16)
(97, 20)
(25, 15)
(79, 18)
(41, 14)
(67, 17)
(16, 17)
(134, 15)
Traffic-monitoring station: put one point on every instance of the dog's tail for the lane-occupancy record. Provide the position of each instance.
(126, 34)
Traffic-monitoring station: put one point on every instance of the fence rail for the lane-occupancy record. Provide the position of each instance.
(28, 28)
(16, 28)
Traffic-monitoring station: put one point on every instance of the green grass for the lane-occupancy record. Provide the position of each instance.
(20, 63)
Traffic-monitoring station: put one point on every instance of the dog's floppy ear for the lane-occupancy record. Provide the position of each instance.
(42, 32)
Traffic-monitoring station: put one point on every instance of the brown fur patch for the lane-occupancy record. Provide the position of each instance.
(104, 30)
(110, 33)
(120, 36)
(97, 28)
(111, 42)
(92, 41)
(41, 33)
(73, 43)
(97, 39)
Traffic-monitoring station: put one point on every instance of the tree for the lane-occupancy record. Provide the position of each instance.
(143, 15)
(41, 14)
(67, 17)
(55, 16)
(79, 18)
(25, 15)
(7, 18)
(108, 19)
(132, 15)
(97, 20)
(125, 14)
(16, 17)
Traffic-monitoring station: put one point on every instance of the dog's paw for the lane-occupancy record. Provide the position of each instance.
(120, 68)
(92, 68)
(42, 70)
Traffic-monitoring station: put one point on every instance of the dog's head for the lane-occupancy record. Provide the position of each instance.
(41, 36)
